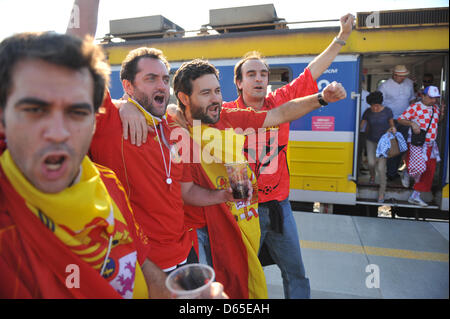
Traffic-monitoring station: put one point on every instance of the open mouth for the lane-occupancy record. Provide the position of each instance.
(54, 162)
(214, 108)
(159, 99)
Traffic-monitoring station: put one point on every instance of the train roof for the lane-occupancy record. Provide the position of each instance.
(418, 30)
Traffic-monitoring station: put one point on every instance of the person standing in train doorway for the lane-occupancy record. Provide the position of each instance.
(398, 93)
(279, 237)
(421, 160)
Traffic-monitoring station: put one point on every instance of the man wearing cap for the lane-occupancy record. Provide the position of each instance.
(398, 94)
(423, 115)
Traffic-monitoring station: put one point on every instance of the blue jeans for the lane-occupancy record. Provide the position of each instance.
(285, 251)
(204, 247)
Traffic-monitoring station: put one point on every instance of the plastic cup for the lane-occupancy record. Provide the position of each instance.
(192, 281)
(237, 174)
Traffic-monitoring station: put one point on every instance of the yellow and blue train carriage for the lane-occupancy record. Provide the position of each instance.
(324, 153)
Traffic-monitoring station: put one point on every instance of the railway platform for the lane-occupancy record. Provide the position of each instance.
(354, 257)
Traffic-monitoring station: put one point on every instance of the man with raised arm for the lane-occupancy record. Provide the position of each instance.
(157, 185)
(267, 153)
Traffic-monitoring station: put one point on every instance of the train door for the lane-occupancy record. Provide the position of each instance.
(320, 152)
(377, 68)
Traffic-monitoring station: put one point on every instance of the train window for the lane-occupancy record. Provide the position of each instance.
(278, 78)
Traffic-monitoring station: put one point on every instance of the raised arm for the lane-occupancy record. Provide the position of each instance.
(323, 60)
(83, 18)
(299, 107)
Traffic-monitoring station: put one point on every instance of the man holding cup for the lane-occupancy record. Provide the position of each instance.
(235, 258)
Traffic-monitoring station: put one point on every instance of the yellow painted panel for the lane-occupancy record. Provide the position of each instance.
(321, 166)
(291, 43)
(445, 191)
(316, 184)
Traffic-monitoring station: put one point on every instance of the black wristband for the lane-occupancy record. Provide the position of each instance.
(321, 100)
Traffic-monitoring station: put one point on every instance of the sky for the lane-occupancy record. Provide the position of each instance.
(44, 15)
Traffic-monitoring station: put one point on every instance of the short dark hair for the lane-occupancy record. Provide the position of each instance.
(375, 97)
(129, 69)
(188, 72)
(60, 49)
(253, 55)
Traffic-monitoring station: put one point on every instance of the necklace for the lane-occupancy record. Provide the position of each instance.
(152, 119)
(168, 179)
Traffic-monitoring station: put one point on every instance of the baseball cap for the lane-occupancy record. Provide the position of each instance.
(431, 91)
(401, 70)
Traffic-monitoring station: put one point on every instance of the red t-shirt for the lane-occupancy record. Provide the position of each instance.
(234, 118)
(268, 157)
(158, 207)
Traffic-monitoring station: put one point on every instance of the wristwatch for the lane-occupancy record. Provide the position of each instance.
(339, 41)
(321, 100)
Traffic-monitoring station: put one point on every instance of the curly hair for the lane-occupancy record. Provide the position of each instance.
(375, 97)
(188, 72)
(129, 65)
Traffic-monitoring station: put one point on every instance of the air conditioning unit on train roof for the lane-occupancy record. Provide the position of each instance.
(155, 26)
(248, 18)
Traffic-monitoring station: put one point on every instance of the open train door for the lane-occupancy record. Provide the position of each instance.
(322, 143)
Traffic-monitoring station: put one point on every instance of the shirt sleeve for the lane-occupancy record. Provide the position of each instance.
(366, 114)
(104, 113)
(409, 113)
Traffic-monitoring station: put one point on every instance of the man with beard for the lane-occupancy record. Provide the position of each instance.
(233, 228)
(155, 182)
(267, 153)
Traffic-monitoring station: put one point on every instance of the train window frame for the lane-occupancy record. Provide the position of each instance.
(275, 70)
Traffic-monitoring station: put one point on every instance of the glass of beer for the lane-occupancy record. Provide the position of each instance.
(192, 281)
(237, 174)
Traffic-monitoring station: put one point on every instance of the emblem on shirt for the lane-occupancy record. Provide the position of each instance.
(123, 283)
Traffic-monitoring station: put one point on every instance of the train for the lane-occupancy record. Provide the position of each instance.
(325, 157)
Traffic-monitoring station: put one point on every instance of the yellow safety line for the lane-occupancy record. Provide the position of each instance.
(377, 251)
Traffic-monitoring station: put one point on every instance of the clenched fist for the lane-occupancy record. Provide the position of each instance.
(334, 92)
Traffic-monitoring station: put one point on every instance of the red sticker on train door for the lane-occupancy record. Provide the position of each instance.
(323, 123)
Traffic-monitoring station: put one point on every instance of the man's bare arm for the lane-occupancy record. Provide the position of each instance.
(323, 60)
(156, 281)
(196, 195)
(299, 107)
(85, 12)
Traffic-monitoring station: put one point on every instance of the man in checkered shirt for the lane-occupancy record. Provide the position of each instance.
(421, 160)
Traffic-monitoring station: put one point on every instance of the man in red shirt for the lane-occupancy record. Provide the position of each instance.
(278, 228)
(156, 184)
(197, 89)
(66, 228)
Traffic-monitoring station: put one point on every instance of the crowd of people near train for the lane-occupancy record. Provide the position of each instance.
(405, 119)
(89, 181)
